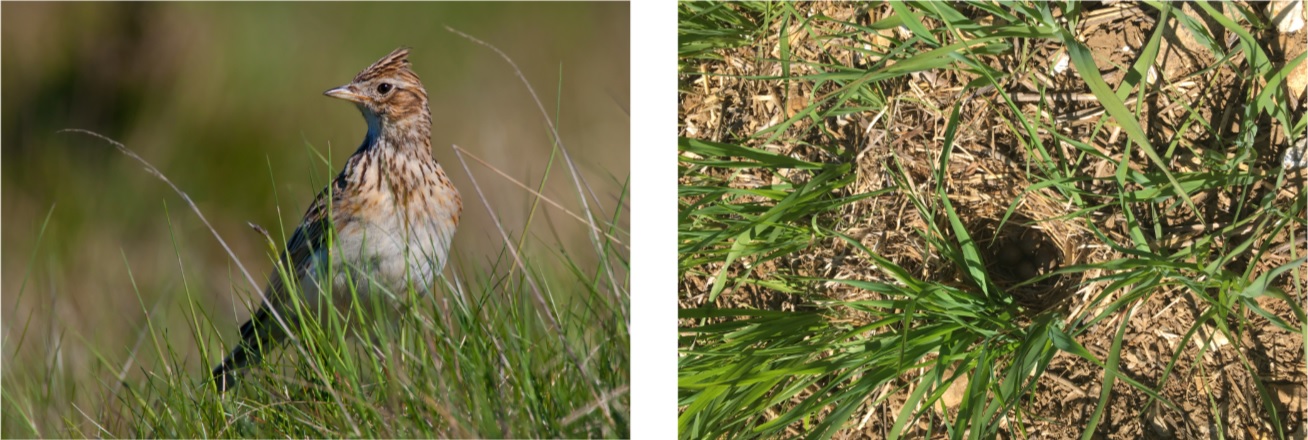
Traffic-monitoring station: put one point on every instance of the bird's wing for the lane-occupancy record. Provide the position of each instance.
(295, 262)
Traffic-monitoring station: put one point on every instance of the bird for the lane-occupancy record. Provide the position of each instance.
(382, 226)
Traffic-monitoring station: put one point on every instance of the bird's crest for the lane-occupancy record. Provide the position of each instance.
(389, 65)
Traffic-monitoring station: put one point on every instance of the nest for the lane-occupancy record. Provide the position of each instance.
(1023, 254)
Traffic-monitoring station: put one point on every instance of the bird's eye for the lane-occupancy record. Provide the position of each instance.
(383, 88)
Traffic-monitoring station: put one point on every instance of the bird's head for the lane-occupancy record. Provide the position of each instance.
(388, 93)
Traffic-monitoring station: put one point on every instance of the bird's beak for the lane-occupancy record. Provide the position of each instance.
(346, 92)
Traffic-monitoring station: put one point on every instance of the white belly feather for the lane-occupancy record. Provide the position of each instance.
(386, 250)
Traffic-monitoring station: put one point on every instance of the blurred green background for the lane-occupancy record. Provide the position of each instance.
(226, 99)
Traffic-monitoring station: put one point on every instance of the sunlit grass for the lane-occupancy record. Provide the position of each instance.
(817, 370)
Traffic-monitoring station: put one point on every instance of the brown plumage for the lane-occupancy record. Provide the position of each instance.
(392, 208)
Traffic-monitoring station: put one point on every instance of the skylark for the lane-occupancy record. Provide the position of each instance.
(390, 215)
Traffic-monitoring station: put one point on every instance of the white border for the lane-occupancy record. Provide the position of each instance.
(653, 219)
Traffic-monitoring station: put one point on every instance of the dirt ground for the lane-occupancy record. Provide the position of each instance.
(986, 176)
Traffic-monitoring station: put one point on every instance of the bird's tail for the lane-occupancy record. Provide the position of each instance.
(257, 334)
(225, 374)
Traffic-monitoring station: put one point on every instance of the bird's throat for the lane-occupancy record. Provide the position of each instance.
(410, 135)
(374, 128)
